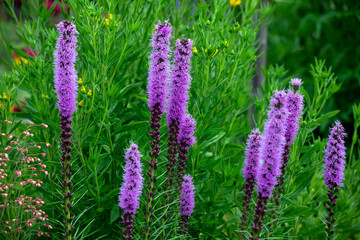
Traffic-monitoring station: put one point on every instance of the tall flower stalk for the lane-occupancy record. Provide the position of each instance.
(179, 84)
(130, 191)
(249, 173)
(271, 151)
(294, 106)
(65, 79)
(334, 166)
(157, 85)
(187, 203)
(186, 140)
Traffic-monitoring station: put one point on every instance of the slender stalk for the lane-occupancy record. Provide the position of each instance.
(153, 165)
(67, 184)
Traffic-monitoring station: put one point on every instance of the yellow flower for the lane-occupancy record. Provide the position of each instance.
(44, 95)
(234, 3)
(89, 92)
(107, 19)
(215, 53)
(195, 50)
(4, 96)
(81, 103)
(83, 90)
(80, 81)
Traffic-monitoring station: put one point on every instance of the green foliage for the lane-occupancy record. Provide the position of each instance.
(113, 46)
(302, 30)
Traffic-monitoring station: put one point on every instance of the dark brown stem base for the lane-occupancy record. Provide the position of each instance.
(330, 219)
(259, 216)
(248, 190)
(153, 165)
(67, 184)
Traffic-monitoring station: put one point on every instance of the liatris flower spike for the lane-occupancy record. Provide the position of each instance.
(334, 167)
(271, 151)
(180, 84)
(157, 85)
(130, 191)
(187, 202)
(65, 80)
(295, 106)
(186, 140)
(249, 172)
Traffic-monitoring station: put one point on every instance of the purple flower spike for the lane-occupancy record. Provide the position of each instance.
(159, 70)
(252, 155)
(130, 191)
(271, 151)
(335, 156)
(273, 144)
(180, 81)
(187, 130)
(177, 105)
(294, 106)
(250, 173)
(157, 90)
(65, 80)
(187, 202)
(186, 139)
(334, 172)
(65, 76)
(296, 83)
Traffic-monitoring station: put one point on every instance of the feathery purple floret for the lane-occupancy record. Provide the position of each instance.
(335, 156)
(159, 70)
(65, 75)
(132, 185)
(187, 196)
(296, 83)
(295, 106)
(252, 155)
(272, 146)
(187, 130)
(180, 81)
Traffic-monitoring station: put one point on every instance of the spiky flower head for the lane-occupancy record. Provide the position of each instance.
(187, 130)
(296, 83)
(180, 80)
(65, 75)
(187, 196)
(295, 106)
(252, 155)
(159, 70)
(335, 156)
(132, 185)
(272, 146)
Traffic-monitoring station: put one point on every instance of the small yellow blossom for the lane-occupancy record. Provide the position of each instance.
(195, 50)
(19, 60)
(110, 16)
(206, 50)
(81, 103)
(89, 92)
(215, 53)
(44, 95)
(80, 81)
(107, 21)
(234, 3)
(83, 90)
(4, 96)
